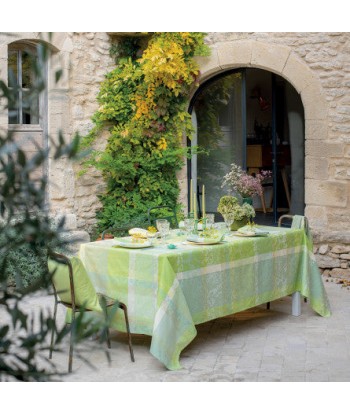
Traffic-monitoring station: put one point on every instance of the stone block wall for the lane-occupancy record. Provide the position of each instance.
(90, 61)
(334, 261)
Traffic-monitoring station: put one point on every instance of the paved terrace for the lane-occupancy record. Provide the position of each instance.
(256, 345)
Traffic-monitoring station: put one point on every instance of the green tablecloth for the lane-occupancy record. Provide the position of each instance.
(168, 291)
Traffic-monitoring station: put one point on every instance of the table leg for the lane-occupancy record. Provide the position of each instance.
(296, 304)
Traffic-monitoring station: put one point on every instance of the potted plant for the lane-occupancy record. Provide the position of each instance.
(241, 214)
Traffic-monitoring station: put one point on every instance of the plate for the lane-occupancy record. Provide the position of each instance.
(250, 234)
(133, 245)
(203, 241)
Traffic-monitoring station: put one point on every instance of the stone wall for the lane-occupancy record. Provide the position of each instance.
(90, 62)
(334, 261)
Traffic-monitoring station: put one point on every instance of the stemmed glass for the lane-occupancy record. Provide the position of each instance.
(189, 225)
(151, 236)
(163, 227)
(229, 219)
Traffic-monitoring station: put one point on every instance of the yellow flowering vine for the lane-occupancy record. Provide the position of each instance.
(145, 98)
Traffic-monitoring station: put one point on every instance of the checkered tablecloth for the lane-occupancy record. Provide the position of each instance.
(169, 291)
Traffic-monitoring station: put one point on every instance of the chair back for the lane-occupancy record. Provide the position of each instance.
(296, 222)
(285, 219)
(162, 212)
(72, 286)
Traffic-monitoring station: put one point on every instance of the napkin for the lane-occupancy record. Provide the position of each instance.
(249, 230)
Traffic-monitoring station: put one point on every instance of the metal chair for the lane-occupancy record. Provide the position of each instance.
(283, 218)
(162, 212)
(294, 221)
(81, 296)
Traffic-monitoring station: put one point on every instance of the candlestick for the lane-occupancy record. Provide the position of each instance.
(203, 201)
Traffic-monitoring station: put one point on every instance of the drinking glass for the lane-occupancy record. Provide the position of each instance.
(229, 219)
(210, 219)
(221, 229)
(163, 227)
(189, 225)
(151, 236)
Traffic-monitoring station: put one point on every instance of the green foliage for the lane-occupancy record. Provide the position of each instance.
(26, 266)
(130, 47)
(144, 102)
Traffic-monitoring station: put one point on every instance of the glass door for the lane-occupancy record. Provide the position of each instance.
(218, 115)
(255, 119)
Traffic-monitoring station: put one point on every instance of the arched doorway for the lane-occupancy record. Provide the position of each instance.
(253, 118)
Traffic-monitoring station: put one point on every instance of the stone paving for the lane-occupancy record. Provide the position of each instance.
(256, 345)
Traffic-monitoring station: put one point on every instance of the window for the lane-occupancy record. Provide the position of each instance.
(26, 107)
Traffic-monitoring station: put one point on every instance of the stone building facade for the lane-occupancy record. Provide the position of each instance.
(317, 65)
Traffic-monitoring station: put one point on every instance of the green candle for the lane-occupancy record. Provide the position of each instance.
(203, 201)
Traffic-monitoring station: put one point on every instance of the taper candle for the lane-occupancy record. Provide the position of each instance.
(195, 206)
(191, 197)
(203, 201)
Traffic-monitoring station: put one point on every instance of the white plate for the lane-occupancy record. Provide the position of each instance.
(134, 245)
(203, 241)
(250, 234)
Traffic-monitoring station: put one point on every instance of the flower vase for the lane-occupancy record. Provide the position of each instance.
(239, 223)
(248, 200)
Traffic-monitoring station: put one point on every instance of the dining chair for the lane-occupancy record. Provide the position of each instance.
(73, 289)
(162, 212)
(297, 222)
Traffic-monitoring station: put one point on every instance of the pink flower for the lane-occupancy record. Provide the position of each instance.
(245, 184)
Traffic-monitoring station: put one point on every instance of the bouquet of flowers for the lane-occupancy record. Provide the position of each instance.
(227, 204)
(244, 211)
(243, 183)
(230, 204)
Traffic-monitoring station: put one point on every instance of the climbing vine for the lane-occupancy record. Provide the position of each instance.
(143, 101)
